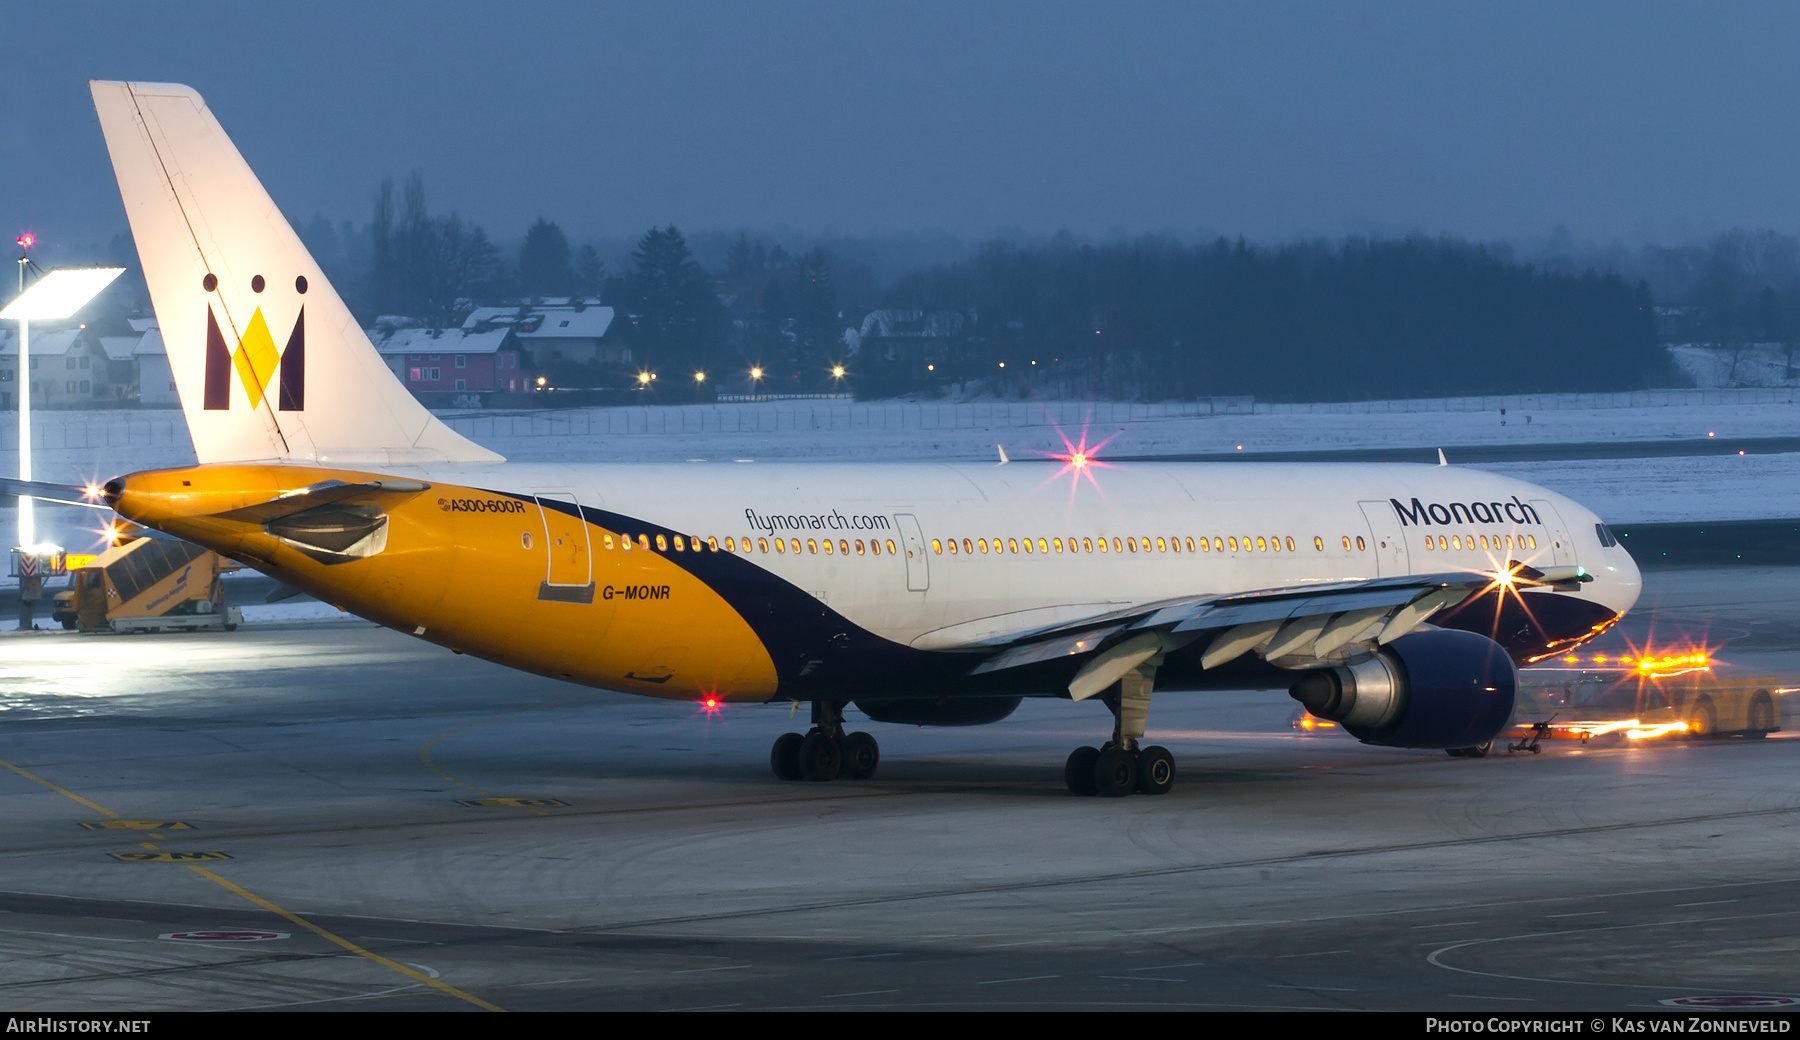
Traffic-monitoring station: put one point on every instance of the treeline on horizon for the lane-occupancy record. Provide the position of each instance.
(1151, 318)
(1354, 318)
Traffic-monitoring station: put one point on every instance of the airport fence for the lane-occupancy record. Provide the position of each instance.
(165, 429)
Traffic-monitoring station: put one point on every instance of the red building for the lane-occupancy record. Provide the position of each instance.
(441, 366)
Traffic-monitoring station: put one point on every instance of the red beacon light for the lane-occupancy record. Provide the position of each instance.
(25, 241)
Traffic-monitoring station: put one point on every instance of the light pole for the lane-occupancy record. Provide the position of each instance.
(54, 296)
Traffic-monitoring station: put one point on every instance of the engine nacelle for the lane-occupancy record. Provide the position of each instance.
(1438, 689)
(940, 711)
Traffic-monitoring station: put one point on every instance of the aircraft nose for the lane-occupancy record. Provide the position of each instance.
(1619, 580)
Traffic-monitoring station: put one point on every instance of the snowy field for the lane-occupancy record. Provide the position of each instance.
(82, 446)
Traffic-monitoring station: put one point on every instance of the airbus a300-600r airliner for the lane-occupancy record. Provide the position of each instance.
(1394, 600)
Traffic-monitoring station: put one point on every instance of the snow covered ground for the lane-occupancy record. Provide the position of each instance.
(81, 446)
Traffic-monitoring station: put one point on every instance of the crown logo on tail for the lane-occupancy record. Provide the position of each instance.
(256, 362)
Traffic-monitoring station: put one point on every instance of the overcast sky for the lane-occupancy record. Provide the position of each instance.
(1628, 121)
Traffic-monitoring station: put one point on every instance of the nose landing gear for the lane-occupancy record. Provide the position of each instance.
(826, 752)
(1120, 766)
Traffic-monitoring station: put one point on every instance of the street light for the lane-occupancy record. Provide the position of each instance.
(54, 296)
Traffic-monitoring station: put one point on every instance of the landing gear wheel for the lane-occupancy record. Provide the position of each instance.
(784, 757)
(1156, 771)
(1115, 773)
(1078, 772)
(1455, 752)
(861, 755)
(1478, 751)
(820, 757)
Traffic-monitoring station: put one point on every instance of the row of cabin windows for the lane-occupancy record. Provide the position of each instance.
(1524, 541)
(967, 546)
(842, 547)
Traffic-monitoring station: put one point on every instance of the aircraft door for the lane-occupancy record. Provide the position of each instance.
(569, 565)
(1562, 547)
(918, 568)
(1389, 545)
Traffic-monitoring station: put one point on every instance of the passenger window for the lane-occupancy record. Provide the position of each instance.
(1116, 546)
(1027, 545)
(937, 547)
(1455, 542)
(1161, 546)
(1360, 547)
(1218, 545)
(1443, 543)
(1205, 546)
(730, 544)
(662, 544)
(1429, 544)
(828, 549)
(678, 545)
(1012, 545)
(890, 546)
(1346, 543)
(1087, 545)
(780, 546)
(1318, 544)
(1262, 546)
(1103, 547)
(1232, 541)
(1058, 543)
(712, 544)
(874, 547)
(644, 542)
(1290, 544)
(812, 547)
(606, 541)
(966, 548)
(1533, 541)
(794, 544)
(859, 547)
(1044, 546)
(1190, 543)
(983, 543)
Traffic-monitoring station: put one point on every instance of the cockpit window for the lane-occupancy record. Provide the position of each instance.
(1606, 536)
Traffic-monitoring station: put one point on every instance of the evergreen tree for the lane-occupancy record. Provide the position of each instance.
(679, 324)
(546, 266)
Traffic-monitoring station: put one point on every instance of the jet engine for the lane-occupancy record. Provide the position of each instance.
(1436, 689)
(940, 711)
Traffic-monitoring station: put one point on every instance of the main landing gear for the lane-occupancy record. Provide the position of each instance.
(825, 752)
(1120, 766)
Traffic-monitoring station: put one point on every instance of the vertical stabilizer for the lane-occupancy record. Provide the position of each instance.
(269, 362)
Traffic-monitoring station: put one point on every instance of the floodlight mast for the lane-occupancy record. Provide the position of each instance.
(54, 296)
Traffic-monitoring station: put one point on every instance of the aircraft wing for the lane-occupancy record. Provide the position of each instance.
(1305, 621)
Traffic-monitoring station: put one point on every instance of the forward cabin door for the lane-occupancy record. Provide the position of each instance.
(1562, 548)
(569, 571)
(1389, 545)
(918, 567)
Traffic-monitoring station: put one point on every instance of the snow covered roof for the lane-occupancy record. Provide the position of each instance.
(912, 324)
(545, 321)
(150, 343)
(142, 324)
(43, 343)
(119, 348)
(440, 341)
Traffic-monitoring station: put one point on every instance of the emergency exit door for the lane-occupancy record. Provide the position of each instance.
(918, 567)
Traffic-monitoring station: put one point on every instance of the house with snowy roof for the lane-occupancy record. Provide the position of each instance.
(454, 366)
